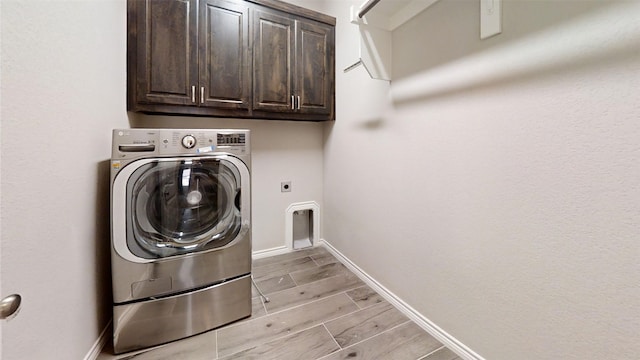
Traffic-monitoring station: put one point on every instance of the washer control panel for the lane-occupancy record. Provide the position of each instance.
(132, 144)
(137, 143)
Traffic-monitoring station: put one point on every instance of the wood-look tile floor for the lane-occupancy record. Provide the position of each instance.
(318, 309)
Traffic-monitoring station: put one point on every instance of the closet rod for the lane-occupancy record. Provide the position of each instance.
(368, 6)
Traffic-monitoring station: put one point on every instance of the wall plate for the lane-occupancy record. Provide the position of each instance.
(490, 18)
(285, 186)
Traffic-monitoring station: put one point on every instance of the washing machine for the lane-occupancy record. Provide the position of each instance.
(180, 233)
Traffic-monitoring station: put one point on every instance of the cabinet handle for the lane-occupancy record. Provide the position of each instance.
(298, 102)
(293, 102)
(193, 93)
(202, 95)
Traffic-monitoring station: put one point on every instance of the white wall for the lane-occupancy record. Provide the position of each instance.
(493, 185)
(63, 90)
(63, 78)
(1, 294)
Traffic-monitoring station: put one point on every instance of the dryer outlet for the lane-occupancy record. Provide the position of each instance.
(285, 186)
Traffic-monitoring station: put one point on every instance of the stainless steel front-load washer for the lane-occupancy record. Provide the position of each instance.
(180, 233)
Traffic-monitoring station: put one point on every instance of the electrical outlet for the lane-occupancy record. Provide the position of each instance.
(285, 186)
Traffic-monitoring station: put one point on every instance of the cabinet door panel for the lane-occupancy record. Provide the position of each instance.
(315, 67)
(224, 54)
(167, 50)
(273, 52)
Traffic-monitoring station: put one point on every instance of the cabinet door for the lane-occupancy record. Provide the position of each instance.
(314, 67)
(225, 66)
(166, 51)
(273, 45)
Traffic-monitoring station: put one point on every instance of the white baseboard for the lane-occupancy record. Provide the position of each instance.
(99, 344)
(434, 330)
(259, 254)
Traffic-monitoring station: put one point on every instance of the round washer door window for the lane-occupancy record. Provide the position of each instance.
(181, 206)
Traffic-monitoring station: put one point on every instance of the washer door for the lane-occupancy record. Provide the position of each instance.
(183, 205)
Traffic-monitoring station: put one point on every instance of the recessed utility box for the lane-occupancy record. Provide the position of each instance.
(302, 223)
(302, 229)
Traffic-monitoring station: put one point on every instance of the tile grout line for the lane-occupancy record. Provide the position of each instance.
(289, 256)
(286, 258)
(362, 307)
(331, 277)
(299, 305)
(376, 335)
(358, 307)
(292, 261)
(350, 298)
(217, 356)
(433, 352)
(312, 301)
(280, 338)
(323, 269)
(314, 260)
(307, 303)
(334, 340)
(347, 271)
(355, 311)
(267, 279)
(294, 281)
(323, 324)
(282, 310)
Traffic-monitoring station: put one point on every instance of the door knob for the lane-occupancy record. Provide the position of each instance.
(10, 306)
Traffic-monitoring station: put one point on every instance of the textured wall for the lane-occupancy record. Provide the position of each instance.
(493, 184)
(63, 86)
(63, 90)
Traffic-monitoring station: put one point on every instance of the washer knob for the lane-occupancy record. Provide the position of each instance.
(189, 141)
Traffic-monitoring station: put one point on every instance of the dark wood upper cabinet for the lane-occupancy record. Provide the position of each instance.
(273, 72)
(293, 64)
(230, 58)
(166, 44)
(314, 67)
(225, 78)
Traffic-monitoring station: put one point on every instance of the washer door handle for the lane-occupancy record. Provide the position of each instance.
(236, 201)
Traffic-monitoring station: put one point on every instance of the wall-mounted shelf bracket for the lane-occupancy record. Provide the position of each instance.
(376, 20)
(353, 66)
(374, 52)
(389, 14)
